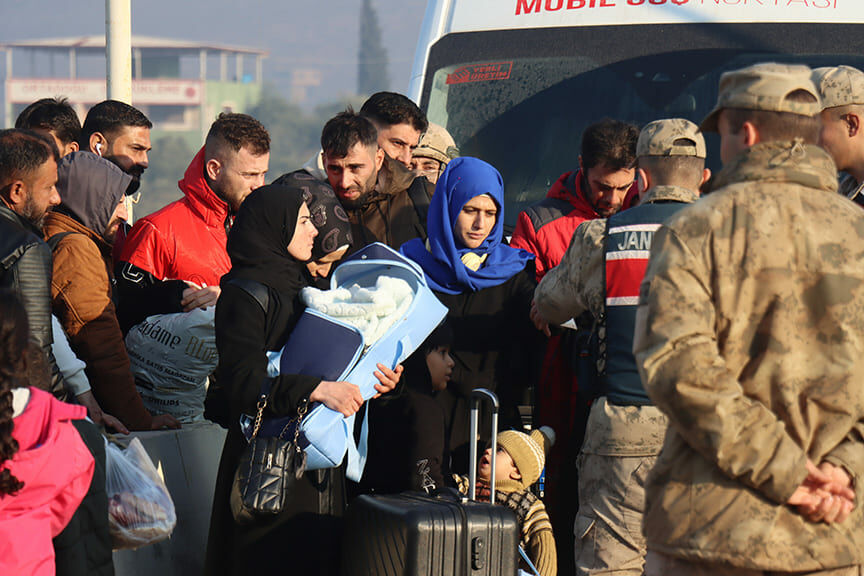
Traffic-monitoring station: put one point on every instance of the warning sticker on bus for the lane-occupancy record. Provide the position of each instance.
(480, 73)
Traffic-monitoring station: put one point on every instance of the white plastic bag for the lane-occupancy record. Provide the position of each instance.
(171, 356)
(140, 510)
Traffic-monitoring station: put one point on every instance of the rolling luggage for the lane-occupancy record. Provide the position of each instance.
(414, 534)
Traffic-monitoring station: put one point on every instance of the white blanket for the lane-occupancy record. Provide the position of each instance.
(371, 310)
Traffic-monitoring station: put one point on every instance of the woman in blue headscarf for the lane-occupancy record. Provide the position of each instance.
(487, 286)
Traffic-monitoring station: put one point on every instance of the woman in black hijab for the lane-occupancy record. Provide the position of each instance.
(334, 229)
(270, 243)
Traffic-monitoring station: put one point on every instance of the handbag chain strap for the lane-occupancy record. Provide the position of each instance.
(262, 403)
(301, 412)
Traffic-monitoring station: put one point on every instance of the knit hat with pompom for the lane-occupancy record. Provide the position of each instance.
(528, 451)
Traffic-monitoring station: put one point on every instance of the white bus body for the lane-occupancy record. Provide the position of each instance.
(516, 81)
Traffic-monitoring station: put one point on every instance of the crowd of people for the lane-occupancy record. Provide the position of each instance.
(688, 341)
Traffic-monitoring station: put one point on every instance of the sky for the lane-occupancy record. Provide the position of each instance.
(319, 34)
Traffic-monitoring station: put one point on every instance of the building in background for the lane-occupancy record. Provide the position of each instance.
(180, 85)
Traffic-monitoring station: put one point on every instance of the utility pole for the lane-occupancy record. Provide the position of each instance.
(118, 47)
(118, 53)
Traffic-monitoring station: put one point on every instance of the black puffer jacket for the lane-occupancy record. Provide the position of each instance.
(25, 268)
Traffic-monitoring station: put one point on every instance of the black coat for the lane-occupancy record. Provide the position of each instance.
(407, 432)
(311, 522)
(495, 347)
(25, 269)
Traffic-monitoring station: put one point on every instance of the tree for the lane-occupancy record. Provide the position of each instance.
(168, 161)
(372, 75)
(293, 134)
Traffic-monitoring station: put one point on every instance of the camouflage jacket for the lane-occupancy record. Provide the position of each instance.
(576, 284)
(749, 337)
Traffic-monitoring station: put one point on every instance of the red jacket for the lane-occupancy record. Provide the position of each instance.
(545, 228)
(186, 239)
(56, 468)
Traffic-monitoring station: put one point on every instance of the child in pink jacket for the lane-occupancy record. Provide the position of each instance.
(45, 467)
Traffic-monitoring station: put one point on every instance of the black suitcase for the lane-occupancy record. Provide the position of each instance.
(412, 534)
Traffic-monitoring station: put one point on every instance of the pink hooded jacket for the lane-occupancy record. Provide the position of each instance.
(56, 468)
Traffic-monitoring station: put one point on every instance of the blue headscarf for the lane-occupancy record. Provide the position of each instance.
(464, 179)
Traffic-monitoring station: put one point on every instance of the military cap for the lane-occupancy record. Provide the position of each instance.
(765, 87)
(436, 143)
(839, 86)
(671, 137)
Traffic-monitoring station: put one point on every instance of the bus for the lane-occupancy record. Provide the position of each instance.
(516, 81)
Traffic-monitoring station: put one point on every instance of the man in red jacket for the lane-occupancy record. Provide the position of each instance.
(173, 259)
(597, 190)
(602, 186)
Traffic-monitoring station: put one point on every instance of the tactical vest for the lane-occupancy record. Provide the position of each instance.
(629, 235)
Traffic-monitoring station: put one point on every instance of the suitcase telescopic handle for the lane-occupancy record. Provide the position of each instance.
(478, 396)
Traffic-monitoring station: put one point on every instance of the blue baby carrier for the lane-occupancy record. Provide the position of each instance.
(330, 349)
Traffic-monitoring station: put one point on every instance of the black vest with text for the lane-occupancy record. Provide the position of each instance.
(629, 235)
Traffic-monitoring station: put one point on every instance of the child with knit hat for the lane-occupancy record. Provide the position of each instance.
(518, 464)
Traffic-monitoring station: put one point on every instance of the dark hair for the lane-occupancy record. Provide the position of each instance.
(441, 336)
(346, 129)
(390, 108)
(236, 131)
(14, 334)
(417, 375)
(685, 171)
(22, 152)
(53, 114)
(611, 143)
(775, 126)
(108, 117)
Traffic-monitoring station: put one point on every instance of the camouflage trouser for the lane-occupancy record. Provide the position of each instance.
(621, 445)
(661, 565)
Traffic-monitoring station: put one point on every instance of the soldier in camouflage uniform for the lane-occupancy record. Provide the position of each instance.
(600, 273)
(749, 338)
(841, 90)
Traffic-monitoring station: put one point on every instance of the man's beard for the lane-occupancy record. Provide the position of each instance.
(361, 200)
(135, 170)
(356, 203)
(30, 211)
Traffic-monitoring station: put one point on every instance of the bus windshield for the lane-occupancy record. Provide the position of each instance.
(524, 110)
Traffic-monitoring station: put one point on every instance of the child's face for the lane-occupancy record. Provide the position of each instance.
(440, 365)
(504, 466)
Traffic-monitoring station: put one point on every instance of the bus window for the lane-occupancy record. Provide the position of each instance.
(525, 113)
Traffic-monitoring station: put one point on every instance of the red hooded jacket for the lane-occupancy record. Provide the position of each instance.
(185, 240)
(56, 468)
(545, 229)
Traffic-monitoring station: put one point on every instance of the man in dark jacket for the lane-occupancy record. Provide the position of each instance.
(399, 122)
(374, 189)
(28, 174)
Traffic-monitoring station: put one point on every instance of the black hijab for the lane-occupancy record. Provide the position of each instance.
(258, 241)
(331, 220)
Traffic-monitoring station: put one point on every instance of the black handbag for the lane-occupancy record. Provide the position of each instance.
(268, 468)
